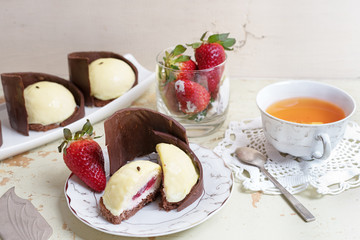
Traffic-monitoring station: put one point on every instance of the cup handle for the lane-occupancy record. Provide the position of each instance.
(325, 139)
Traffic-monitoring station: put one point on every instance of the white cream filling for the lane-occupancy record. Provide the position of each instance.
(137, 201)
(126, 183)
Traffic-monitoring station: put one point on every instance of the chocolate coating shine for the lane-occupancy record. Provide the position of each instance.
(79, 73)
(14, 85)
(134, 132)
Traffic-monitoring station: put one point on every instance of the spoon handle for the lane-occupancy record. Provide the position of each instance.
(300, 209)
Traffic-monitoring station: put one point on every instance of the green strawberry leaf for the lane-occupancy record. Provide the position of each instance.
(67, 134)
(77, 135)
(228, 43)
(223, 36)
(203, 36)
(214, 38)
(160, 71)
(87, 128)
(194, 45)
(167, 74)
(170, 77)
(62, 146)
(182, 58)
(174, 67)
(228, 49)
(179, 49)
(218, 37)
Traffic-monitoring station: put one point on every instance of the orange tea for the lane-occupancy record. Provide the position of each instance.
(306, 110)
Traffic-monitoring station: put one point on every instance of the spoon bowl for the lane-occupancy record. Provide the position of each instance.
(255, 158)
(251, 156)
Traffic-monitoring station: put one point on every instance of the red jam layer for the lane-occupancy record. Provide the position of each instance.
(146, 187)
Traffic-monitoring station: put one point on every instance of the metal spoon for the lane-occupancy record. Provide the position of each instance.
(252, 157)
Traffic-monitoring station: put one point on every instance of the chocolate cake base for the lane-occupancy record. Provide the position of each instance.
(168, 206)
(101, 103)
(128, 213)
(43, 128)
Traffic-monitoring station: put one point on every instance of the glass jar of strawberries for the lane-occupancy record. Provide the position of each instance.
(195, 92)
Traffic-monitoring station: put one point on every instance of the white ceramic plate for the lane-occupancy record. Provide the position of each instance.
(152, 221)
(15, 143)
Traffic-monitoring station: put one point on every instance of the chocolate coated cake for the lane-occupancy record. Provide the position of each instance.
(14, 85)
(134, 132)
(79, 73)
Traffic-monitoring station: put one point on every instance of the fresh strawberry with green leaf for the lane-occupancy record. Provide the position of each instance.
(182, 64)
(192, 97)
(175, 66)
(209, 54)
(84, 157)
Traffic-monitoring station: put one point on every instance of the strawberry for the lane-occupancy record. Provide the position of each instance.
(186, 69)
(84, 157)
(182, 64)
(210, 53)
(175, 66)
(192, 97)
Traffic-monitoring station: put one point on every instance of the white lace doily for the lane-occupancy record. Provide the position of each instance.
(339, 172)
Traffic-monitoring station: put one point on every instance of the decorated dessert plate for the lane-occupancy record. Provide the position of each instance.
(151, 221)
(15, 143)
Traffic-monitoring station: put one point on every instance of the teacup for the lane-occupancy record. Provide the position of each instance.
(307, 141)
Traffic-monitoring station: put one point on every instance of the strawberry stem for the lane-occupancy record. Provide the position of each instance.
(86, 132)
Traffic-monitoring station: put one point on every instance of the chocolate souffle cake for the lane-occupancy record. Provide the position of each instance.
(134, 132)
(36, 101)
(101, 76)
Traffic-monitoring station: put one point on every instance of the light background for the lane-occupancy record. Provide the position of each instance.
(276, 38)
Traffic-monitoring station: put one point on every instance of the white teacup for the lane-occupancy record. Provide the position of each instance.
(307, 141)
